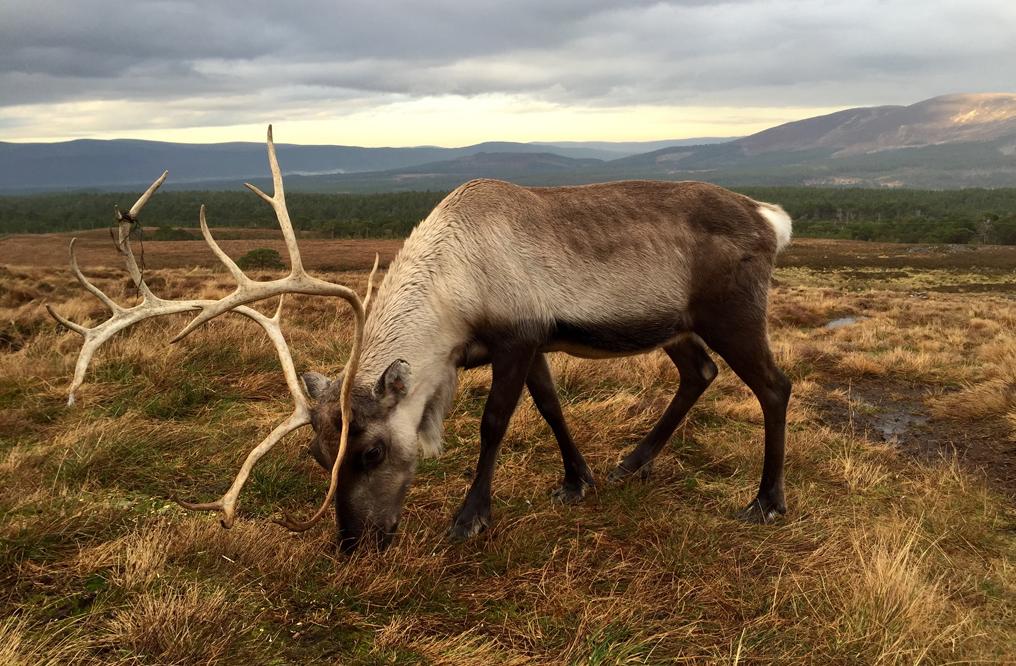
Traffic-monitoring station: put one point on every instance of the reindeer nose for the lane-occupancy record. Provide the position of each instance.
(349, 538)
(347, 544)
(380, 538)
(388, 535)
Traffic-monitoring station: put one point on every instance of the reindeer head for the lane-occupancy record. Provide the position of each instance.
(380, 456)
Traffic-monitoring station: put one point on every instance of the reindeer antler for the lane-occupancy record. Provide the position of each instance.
(247, 291)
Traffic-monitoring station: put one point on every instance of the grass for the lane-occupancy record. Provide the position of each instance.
(899, 546)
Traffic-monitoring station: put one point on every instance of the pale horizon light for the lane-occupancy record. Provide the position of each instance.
(445, 73)
(451, 122)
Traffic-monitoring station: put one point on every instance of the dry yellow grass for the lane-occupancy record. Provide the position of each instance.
(899, 546)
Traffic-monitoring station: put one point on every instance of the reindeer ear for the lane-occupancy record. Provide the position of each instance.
(393, 382)
(315, 384)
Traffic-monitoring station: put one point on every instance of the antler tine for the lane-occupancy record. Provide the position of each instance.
(92, 289)
(367, 305)
(278, 202)
(67, 323)
(136, 277)
(247, 290)
(238, 274)
(126, 220)
(124, 236)
(143, 199)
(226, 505)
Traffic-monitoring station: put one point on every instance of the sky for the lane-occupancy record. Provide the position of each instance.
(452, 73)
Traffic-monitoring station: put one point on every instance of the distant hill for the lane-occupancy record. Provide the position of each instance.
(120, 163)
(946, 119)
(111, 164)
(952, 141)
(501, 165)
(606, 150)
(944, 142)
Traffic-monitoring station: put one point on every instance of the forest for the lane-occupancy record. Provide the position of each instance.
(893, 215)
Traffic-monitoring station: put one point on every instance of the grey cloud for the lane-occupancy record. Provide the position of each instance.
(350, 54)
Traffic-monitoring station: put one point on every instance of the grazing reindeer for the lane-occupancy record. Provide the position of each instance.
(499, 274)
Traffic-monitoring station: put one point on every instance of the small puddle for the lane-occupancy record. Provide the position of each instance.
(843, 322)
(896, 424)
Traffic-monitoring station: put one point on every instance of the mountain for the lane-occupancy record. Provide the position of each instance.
(946, 119)
(943, 142)
(120, 163)
(104, 164)
(951, 141)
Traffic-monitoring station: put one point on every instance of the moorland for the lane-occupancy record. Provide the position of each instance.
(899, 545)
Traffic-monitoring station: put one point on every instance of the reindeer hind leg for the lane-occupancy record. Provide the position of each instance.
(746, 350)
(697, 371)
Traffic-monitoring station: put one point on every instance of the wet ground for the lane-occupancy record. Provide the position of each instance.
(894, 412)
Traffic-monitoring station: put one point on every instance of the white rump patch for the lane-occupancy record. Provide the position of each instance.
(780, 221)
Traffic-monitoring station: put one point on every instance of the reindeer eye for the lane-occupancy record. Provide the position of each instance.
(373, 456)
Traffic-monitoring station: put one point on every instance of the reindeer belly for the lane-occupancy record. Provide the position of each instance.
(614, 338)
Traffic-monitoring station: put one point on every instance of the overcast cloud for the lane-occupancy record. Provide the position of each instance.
(71, 68)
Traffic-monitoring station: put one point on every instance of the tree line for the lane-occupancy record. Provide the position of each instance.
(898, 215)
(895, 215)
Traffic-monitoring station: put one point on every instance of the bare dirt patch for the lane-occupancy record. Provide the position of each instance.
(896, 413)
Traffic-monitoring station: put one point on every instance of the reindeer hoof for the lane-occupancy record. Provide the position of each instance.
(623, 473)
(762, 511)
(465, 527)
(570, 493)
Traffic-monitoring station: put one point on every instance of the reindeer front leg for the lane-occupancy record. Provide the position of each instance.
(510, 367)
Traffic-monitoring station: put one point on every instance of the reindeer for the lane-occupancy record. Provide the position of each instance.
(501, 275)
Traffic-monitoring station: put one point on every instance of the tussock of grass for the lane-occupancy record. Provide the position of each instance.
(187, 626)
(20, 646)
(896, 611)
(884, 558)
(136, 560)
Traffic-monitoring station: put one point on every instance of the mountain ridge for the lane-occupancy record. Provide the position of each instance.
(112, 163)
(949, 141)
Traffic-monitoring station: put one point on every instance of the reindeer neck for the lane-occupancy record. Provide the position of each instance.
(411, 319)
